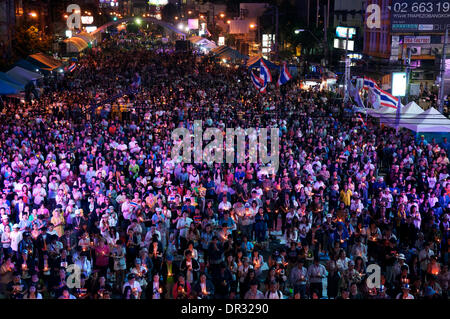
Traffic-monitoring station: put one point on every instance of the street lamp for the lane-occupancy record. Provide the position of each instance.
(252, 26)
(222, 15)
(33, 14)
(138, 21)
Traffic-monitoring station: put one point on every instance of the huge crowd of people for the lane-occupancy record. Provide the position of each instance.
(96, 187)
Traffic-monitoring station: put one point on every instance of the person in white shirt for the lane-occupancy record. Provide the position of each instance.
(405, 293)
(273, 292)
(84, 264)
(316, 273)
(16, 237)
(342, 262)
(425, 256)
(136, 289)
(127, 209)
(183, 226)
(225, 205)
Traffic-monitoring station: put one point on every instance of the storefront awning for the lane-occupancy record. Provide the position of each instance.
(44, 61)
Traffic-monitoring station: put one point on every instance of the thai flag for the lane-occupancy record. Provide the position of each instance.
(387, 99)
(264, 72)
(360, 119)
(72, 67)
(369, 83)
(285, 76)
(134, 204)
(258, 82)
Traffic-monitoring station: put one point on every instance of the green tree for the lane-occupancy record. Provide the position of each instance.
(28, 40)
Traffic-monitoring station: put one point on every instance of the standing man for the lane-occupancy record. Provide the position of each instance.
(316, 273)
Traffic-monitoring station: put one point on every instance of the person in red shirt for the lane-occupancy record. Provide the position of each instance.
(102, 257)
(181, 289)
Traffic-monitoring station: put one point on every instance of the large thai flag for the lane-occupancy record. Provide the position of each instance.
(387, 99)
(264, 72)
(369, 83)
(285, 76)
(258, 82)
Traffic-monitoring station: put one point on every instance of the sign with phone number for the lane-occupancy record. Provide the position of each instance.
(432, 16)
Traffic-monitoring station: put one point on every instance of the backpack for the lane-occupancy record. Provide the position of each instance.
(268, 293)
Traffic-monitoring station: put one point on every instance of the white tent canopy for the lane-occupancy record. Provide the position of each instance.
(22, 75)
(430, 120)
(381, 111)
(409, 111)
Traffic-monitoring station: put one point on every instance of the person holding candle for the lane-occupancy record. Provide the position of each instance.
(169, 271)
(190, 267)
(156, 288)
(405, 293)
(257, 261)
(102, 253)
(316, 273)
(118, 253)
(135, 287)
(84, 263)
(204, 287)
(298, 278)
(181, 289)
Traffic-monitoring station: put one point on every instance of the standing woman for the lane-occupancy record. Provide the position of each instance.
(58, 222)
(118, 253)
(6, 241)
(373, 236)
(257, 261)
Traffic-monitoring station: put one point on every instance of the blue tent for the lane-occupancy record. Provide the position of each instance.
(22, 75)
(8, 88)
(27, 65)
(253, 62)
(7, 78)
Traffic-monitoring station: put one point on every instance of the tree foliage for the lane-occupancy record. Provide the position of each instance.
(28, 40)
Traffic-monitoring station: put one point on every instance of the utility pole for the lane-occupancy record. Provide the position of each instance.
(442, 72)
(276, 31)
(347, 68)
(408, 72)
(317, 14)
(307, 14)
(325, 25)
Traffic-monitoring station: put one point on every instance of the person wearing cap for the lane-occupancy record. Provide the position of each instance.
(134, 285)
(405, 293)
(15, 236)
